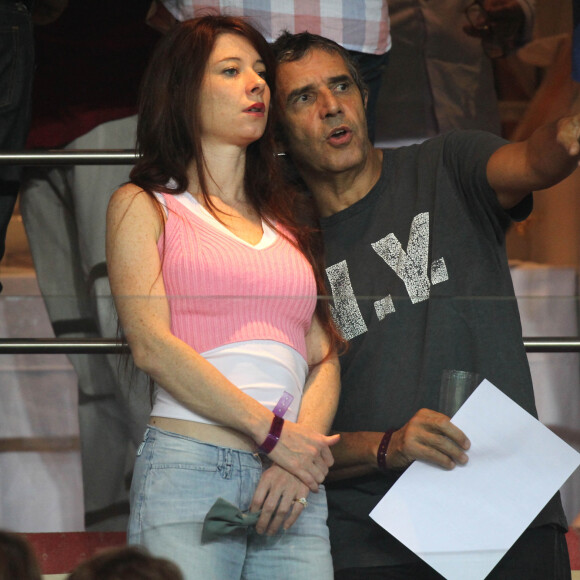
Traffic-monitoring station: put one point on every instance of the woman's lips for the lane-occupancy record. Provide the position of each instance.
(256, 109)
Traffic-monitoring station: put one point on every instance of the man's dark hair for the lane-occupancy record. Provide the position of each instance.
(292, 47)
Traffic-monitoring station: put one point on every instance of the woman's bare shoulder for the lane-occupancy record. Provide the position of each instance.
(132, 204)
(133, 198)
(129, 192)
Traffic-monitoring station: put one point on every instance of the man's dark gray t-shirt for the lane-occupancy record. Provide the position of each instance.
(420, 283)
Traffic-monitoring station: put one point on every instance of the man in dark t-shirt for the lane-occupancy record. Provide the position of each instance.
(417, 268)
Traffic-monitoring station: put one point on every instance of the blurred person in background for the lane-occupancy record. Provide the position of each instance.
(17, 558)
(440, 74)
(16, 75)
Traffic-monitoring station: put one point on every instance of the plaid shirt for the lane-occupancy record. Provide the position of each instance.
(355, 24)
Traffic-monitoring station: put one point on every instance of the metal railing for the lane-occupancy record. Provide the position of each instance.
(62, 346)
(69, 157)
(51, 158)
(111, 346)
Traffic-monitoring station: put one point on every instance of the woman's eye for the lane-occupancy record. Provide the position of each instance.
(231, 72)
(261, 73)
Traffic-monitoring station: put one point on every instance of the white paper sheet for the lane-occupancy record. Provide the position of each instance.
(461, 522)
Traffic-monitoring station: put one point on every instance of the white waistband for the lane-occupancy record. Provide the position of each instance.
(263, 369)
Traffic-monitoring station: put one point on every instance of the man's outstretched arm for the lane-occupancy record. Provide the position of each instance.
(547, 157)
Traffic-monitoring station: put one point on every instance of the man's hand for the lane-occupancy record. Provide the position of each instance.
(547, 157)
(428, 436)
(276, 496)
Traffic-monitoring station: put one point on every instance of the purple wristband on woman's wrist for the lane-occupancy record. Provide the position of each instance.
(273, 435)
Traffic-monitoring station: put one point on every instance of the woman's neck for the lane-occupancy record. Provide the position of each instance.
(224, 175)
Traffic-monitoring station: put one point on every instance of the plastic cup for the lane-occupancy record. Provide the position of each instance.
(456, 386)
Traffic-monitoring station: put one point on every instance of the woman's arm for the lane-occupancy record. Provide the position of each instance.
(133, 228)
(277, 491)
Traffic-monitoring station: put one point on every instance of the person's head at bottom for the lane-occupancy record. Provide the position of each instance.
(126, 563)
(17, 559)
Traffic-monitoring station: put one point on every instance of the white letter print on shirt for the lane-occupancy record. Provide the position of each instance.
(345, 311)
(410, 266)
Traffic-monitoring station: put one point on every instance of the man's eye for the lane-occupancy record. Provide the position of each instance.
(342, 87)
(302, 99)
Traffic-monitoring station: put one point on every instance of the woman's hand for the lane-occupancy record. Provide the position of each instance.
(304, 453)
(277, 495)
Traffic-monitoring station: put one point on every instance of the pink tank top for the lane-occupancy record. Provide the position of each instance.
(222, 290)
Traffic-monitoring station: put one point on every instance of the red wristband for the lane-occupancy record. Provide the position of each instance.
(382, 450)
(273, 435)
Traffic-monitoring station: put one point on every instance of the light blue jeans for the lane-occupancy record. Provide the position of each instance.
(176, 481)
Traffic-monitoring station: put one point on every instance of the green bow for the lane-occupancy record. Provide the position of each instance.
(225, 518)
